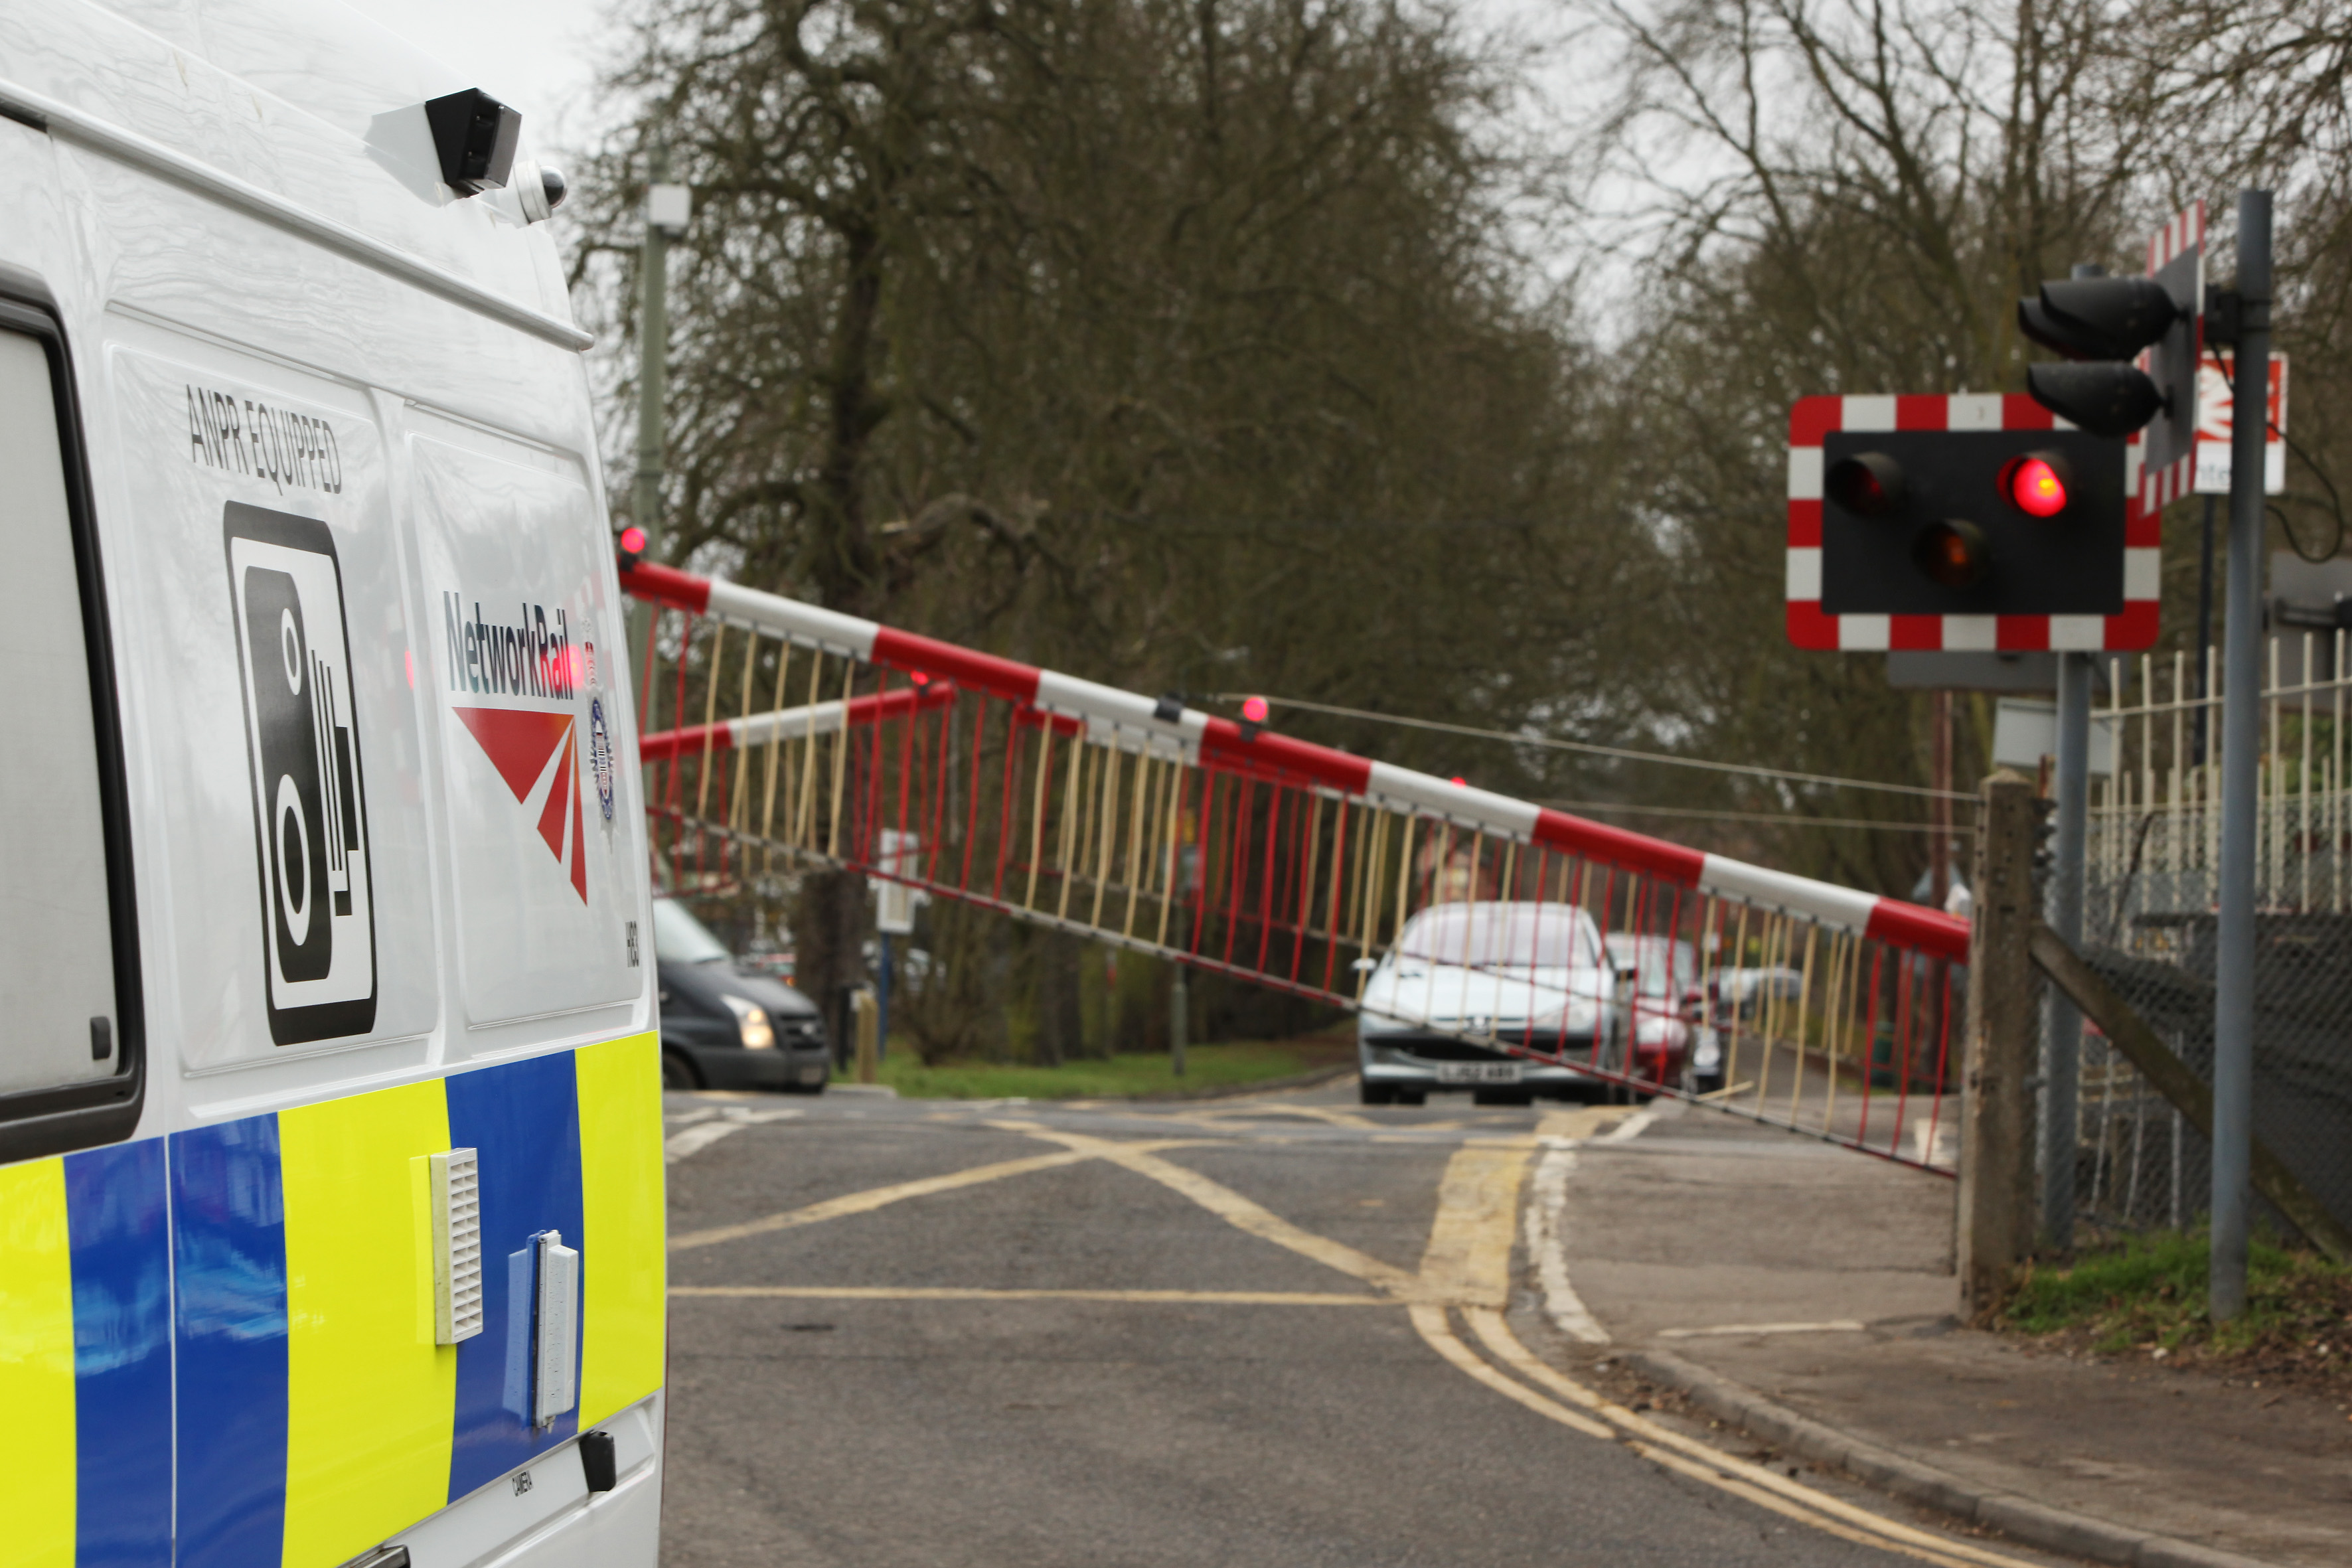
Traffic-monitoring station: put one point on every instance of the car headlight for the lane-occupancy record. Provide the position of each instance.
(751, 1024)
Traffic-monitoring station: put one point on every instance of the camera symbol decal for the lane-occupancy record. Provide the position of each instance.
(310, 796)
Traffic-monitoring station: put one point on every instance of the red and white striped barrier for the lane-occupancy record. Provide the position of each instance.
(792, 723)
(1134, 722)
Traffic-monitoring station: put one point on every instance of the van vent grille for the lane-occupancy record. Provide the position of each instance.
(456, 1246)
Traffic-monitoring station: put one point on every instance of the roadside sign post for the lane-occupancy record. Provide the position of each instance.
(2233, 976)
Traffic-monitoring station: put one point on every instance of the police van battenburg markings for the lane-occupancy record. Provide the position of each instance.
(330, 1175)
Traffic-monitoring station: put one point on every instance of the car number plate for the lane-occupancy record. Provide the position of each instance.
(1479, 1072)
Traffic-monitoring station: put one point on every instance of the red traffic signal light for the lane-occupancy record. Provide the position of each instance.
(1868, 484)
(632, 546)
(1954, 552)
(2035, 484)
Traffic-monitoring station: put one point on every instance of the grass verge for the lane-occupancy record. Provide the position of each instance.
(2146, 1295)
(1206, 1067)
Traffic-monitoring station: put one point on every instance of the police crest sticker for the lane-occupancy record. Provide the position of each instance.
(309, 798)
(600, 753)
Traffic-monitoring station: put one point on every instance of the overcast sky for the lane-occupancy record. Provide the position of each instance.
(539, 56)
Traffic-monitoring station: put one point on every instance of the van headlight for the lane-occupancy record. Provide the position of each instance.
(751, 1024)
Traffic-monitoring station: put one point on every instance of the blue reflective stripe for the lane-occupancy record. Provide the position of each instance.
(524, 1119)
(116, 1217)
(229, 1256)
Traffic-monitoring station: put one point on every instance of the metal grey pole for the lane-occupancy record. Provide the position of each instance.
(653, 355)
(2204, 632)
(2233, 957)
(882, 1004)
(2062, 1040)
(653, 388)
(1179, 1020)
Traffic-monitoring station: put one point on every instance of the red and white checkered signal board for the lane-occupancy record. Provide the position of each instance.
(1813, 418)
(2176, 257)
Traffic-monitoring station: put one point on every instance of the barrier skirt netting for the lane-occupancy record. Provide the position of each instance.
(1471, 931)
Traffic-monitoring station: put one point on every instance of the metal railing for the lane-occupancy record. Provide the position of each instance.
(2151, 888)
(1468, 927)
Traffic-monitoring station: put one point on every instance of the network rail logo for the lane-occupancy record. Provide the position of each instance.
(534, 658)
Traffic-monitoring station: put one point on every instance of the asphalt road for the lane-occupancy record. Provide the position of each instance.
(1275, 1330)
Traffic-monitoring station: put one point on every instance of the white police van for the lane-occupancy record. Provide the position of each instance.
(330, 1179)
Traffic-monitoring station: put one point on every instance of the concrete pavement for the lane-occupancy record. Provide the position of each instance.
(1806, 1293)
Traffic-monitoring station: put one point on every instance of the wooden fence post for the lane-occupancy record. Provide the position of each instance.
(1995, 1212)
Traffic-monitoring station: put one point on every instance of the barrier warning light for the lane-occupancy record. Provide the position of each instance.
(1254, 711)
(632, 546)
(2035, 484)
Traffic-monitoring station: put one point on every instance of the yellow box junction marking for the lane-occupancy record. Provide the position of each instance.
(37, 1369)
(1226, 1205)
(881, 1197)
(370, 1401)
(1465, 1265)
(623, 1268)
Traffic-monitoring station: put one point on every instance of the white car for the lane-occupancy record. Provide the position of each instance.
(1657, 977)
(1528, 974)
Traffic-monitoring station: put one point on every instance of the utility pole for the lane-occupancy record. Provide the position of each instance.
(2233, 957)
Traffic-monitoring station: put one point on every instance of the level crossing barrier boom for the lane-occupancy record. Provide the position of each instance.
(1466, 926)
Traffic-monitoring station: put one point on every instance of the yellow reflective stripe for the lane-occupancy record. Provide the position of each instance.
(623, 1259)
(370, 1401)
(37, 1369)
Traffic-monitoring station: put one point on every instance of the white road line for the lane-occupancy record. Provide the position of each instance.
(1546, 1203)
(1546, 1221)
(703, 1133)
(1840, 1326)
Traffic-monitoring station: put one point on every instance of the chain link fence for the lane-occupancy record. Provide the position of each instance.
(2151, 888)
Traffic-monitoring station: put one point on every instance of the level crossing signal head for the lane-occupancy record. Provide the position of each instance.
(1984, 522)
(632, 547)
(2100, 324)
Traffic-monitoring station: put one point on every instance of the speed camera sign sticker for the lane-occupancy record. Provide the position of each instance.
(309, 799)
